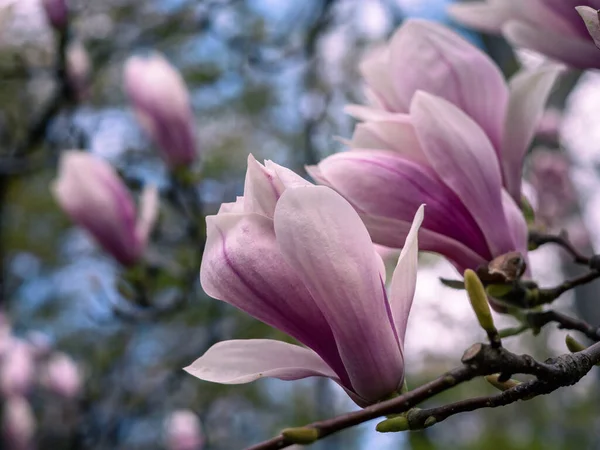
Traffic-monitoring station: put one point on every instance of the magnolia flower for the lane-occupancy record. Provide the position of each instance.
(429, 57)
(56, 12)
(161, 102)
(550, 27)
(183, 431)
(62, 376)
(298, 257)
(91, 192)
(18, 424)
(78, 70)
(591, 19)
(17, 368)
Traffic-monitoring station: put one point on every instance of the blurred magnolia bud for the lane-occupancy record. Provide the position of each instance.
(18, 424)
(78, 70)
(161, 102)
(90, 191)
(17, 369)
(62, 376)
(183, 431)
(56, 12)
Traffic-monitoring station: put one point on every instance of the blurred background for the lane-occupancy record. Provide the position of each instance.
(89, 362)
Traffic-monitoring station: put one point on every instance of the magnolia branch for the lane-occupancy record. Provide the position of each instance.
(539, 239)
(478, 360)
(538, 319)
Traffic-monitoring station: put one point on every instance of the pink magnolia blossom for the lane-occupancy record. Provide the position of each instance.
(78, 70)
(183, 431)
(56, 12)
(17, 368)
(161, 102)
(18, 424)
(62, 376)
(443, 129)
(550, 27)
(297, 257)
(93, 195)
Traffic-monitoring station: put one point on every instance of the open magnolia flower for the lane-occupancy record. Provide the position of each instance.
(90, 191)
(551, 27)
(425, 56)
(443, 129)
(297, 257)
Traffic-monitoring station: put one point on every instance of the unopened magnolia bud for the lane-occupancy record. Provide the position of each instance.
(573, 345)
(56, 12)
(501, 385)
(18, 424)
(161, 102)
(62, 376)
(91, 192)
(393, 425)
(78, 70)
(479, 301)
(17, 369)
(301, 435)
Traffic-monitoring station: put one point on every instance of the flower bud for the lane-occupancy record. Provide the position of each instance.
(56, 12)
(183, 431)
(478, 299)
(393, 425)
(18, 424)
(78, 70)
(301, 435)
(62, 376)
(16, 372)
(161, 102)
(90, 191)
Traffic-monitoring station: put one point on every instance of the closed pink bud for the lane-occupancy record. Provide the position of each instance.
(18, 424)
(91, 192)
(62, 376)
(183, 431)
(161, 102)
(56, 12)
(17, 369)
(78, 70)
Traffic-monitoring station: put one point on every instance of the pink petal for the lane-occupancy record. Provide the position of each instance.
(323, 238)
(242, 265)
(383, 184)
(392, 232)
(243, 361)
(482, 15)
(577, 52)
(395, 133)
(464, 159)
(516, 222)
(402, 289)
(376, 72)
(430, 57)
(529, 90)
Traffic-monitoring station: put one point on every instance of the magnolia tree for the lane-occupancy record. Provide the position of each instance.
(435, 163)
